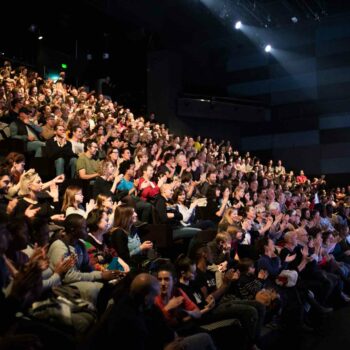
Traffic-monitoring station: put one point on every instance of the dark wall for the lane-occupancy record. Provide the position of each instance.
(307, 82)
(218, 118)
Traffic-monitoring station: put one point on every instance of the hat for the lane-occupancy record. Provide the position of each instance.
(25, 110)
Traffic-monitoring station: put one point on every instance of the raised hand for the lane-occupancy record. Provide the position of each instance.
(290, 257)
(65, 265)
(59, 179)
(30, 212)
(305, 252)
(110, 275)
(27, 284)
(58, 217)
(174, 302)
(90, 206)
(53, 191)
(11, 205)
(146, 245)
(145, 184)
(210, 300)
(118, 178)
(39, 257)
(263, 274)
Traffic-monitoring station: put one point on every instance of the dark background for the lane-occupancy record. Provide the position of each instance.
(184, 61)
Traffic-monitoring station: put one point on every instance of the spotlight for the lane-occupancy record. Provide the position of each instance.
(238, 25)
(40, 37)
(32, 28)
(105, 55)
(294, 19)
(268, 48)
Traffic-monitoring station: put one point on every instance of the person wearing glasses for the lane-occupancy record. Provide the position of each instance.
(87, 166)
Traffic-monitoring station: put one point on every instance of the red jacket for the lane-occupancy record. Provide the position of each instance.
(148, 192)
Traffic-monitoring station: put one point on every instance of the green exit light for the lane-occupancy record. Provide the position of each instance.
(64, 66)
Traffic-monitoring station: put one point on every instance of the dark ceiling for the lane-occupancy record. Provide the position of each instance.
(155, 24)
(128, 29)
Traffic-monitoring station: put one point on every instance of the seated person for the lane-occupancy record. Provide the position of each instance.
(73, 202)
(48, 129)
(124, 239)
(81, 274)
(148, 189)
(176, 306)
(168, 214)
(141, 325)
(87, 166)
(44, 204)
(101, 257)
(107, 181)
(143, 209)
(60, 150)
(23, 129)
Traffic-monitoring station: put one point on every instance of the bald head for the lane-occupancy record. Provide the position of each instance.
(144, 288)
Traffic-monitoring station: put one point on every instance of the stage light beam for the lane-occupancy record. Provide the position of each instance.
(268, 48)
(238, 25)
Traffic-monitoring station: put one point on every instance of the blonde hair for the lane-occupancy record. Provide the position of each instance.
(26, 180)
(103, 166)
(69, 197)
(226, 219)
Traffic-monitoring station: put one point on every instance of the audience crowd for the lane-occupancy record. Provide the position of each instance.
(76, 270)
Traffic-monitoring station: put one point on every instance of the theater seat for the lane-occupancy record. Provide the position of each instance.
(16, 145)
(161, 235)
(5, 147)
(201, 238)
(224, 331)
(43, 165)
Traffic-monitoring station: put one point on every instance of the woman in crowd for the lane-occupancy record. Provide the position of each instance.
(73, 200)
(177, 307)
(105, 203)
(229, 218)
(216, 206)
(15, 162)
(108, 181)
(113, 156)
(189, 213)
(101, 257)
(31, 190)
(124, 238)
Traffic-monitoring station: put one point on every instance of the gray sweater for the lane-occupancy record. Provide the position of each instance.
(58, 251)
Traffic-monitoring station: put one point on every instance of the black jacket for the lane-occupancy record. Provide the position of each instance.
(54, 151)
